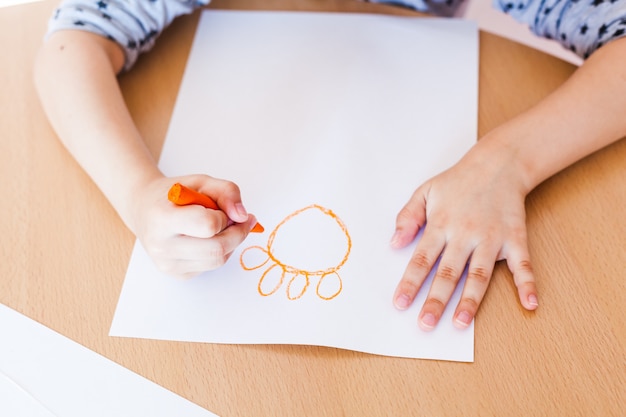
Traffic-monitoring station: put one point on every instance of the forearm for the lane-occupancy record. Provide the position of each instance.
(75, 75)
(473, 214)
(587, 113)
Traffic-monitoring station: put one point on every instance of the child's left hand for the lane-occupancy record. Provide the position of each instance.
(473, 212)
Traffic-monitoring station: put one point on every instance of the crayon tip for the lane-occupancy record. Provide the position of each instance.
(258, 228)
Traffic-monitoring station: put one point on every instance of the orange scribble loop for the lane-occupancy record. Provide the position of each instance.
(251, 268)
(293, 270)
(330, 297)
(280, 282)
(304, 287)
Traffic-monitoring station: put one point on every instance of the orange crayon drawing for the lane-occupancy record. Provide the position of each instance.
(300, 277)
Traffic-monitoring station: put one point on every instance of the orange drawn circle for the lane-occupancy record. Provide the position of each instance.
(322, 273)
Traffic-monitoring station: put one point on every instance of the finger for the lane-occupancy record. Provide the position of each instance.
(235, 234)
(185, 268)
(190, 256)
(186, 248)
(420, 265)
(410, 219)
(196, 221)
(445, 281)
(478, 276)
(227, 195)
(212, 251)
(518, 261)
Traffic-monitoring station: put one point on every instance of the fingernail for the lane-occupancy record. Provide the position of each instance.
(395, 239)
(241, 211)
(253, 222)
(532, 300)
(403, 301)
(428, 321)
(463, 318)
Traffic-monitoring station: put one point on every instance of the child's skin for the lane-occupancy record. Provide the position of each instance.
(76, 77)
(475, 210)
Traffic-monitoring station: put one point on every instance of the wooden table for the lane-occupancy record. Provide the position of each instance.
(65, 251)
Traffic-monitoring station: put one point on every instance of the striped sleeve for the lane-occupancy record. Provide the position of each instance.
(582, 26)
(133, 24)
(441, 8)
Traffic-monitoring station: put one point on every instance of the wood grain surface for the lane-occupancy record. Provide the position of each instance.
(64, 253)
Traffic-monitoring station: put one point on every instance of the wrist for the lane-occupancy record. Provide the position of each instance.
(131, 192)
(502, 159)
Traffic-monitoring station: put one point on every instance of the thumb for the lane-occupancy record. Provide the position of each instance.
(410, 219)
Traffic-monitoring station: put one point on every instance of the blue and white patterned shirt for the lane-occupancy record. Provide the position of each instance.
(582, 26)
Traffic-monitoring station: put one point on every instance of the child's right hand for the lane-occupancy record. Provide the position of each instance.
(184, 241)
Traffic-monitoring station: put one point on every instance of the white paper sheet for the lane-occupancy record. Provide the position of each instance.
(349, 112)
(44, 374)
(17, 402)
(7, 3)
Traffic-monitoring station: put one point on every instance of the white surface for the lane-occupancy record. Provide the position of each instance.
(348, 111)
(17, 402)
(44, 374)
(6, 3)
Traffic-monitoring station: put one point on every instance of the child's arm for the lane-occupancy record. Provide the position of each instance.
(75, 75)
(474, 212)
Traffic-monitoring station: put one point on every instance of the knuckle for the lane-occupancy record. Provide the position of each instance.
(152, 235)
(210, 226)
(231, 187)
(157, 250)
(469, 303)
(525, 266)
(519, 230)
(439, 220)
(518, 235)
(216, 252)
(408, 287)
(404, 216)
(208, 264)
(479, 274)
(447, 273)
(488, 235)
(420, 260)
(434, 305)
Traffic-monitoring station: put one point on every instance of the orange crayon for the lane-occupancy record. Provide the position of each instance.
(183, 196)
